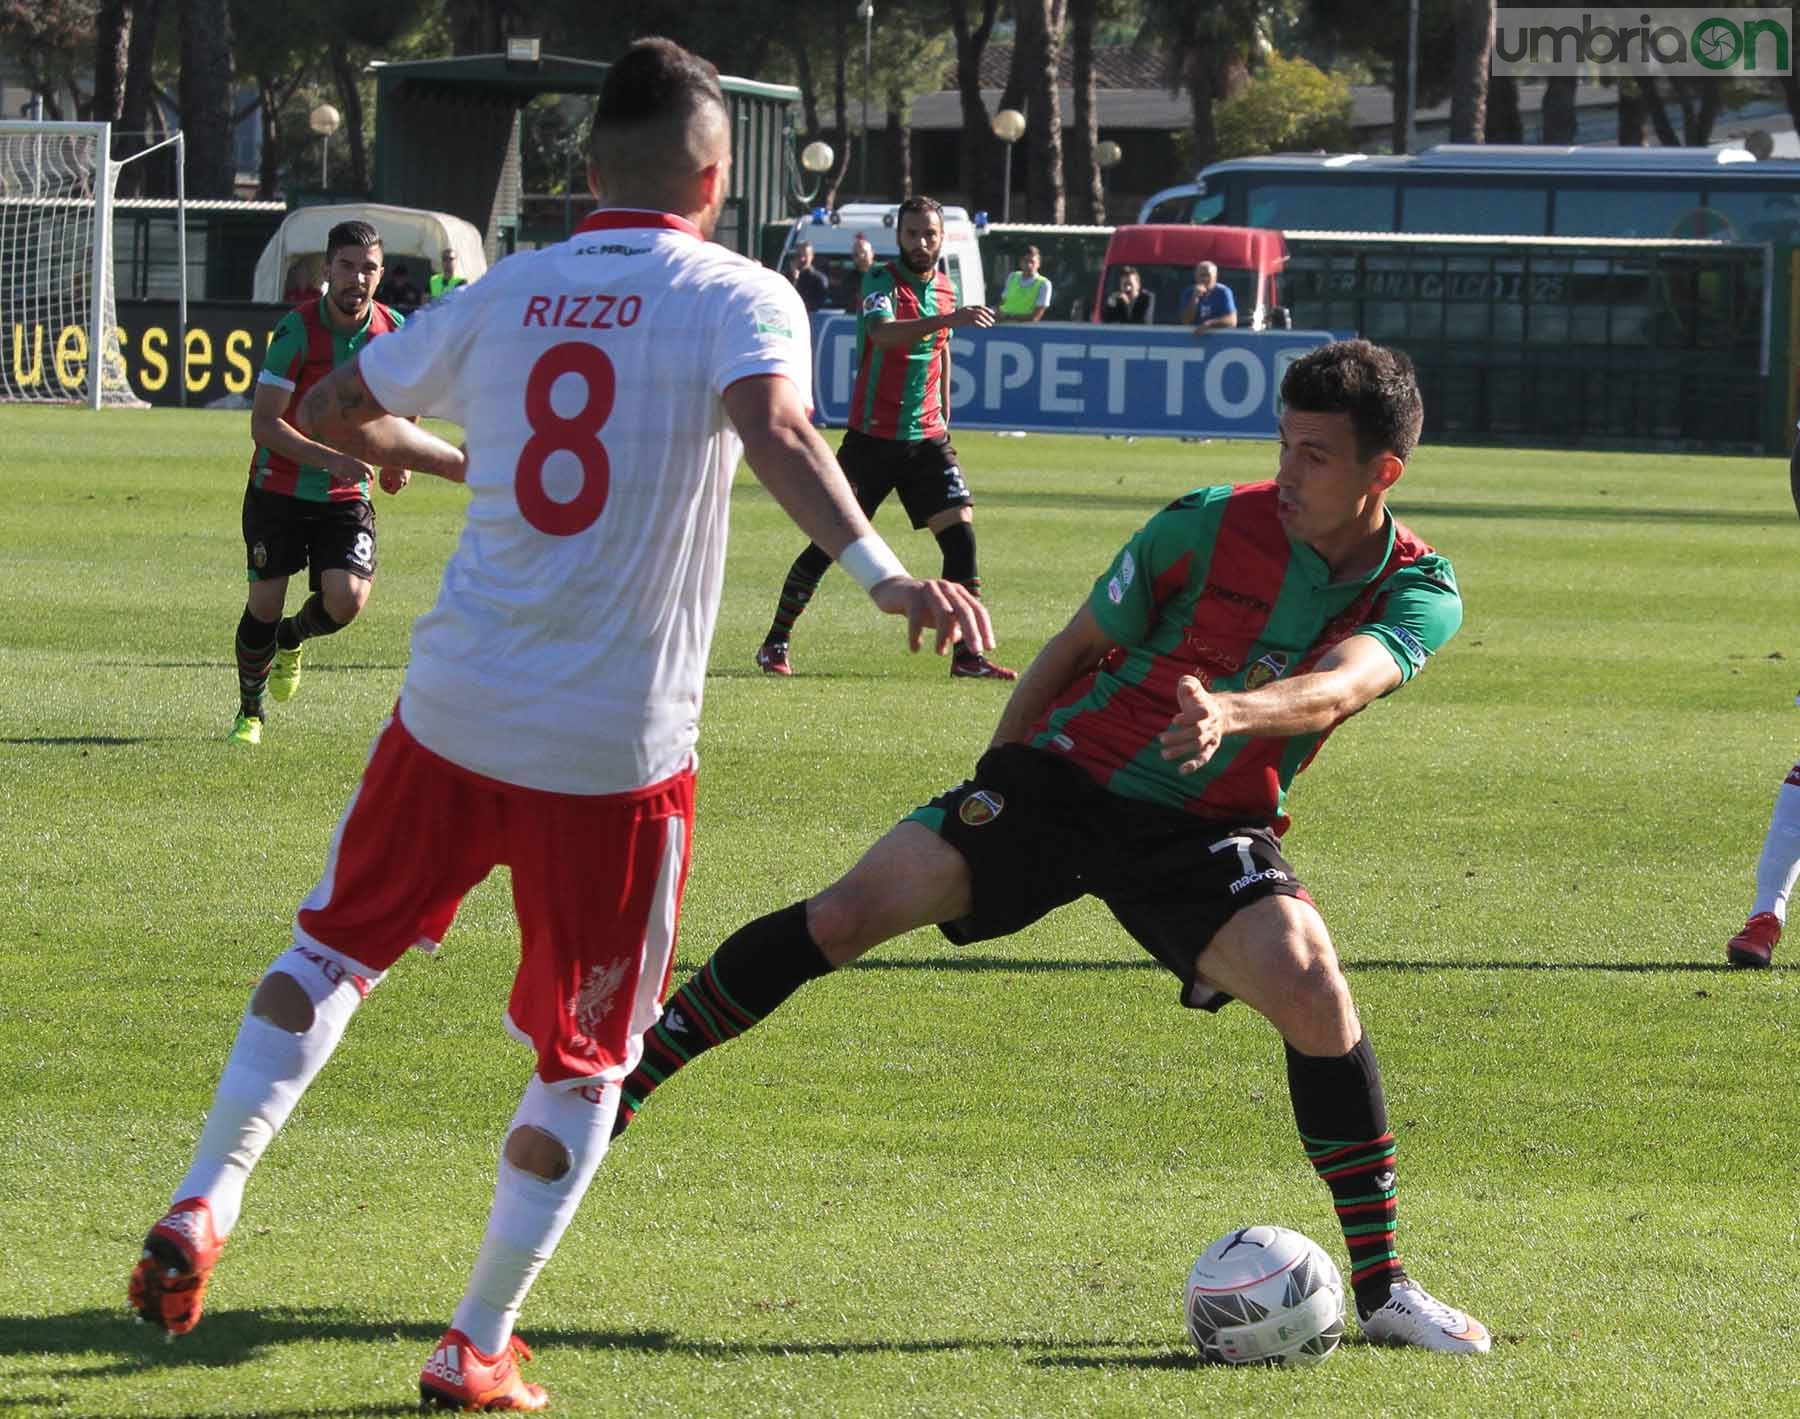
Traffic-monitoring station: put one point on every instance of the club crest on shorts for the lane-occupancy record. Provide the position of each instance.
(596, 996)
(1269, 668)
(981, 807)
(260, 555)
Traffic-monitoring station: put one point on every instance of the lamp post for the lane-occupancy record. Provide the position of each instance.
(1009, 127)
(324, 121)
(817, 158)
(1106, 153)
(866, 13)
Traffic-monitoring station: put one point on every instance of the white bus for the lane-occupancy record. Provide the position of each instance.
(1498, 190)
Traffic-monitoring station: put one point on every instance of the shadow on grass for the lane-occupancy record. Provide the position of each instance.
(1351, 967)
(116, 1344)
(107, 1344)
(338, 668)
(1704, 968)
(1158, 1360)
(99, 741)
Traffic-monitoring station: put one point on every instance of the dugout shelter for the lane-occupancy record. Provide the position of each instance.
(447, 139)
(297, 250)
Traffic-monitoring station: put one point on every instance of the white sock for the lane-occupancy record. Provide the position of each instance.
(530, 1215)
(266, 1073)
(1780, 860)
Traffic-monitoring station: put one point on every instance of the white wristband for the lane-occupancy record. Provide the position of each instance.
(870, 561)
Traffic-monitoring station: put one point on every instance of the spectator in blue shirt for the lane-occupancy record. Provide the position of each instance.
(1209, 305)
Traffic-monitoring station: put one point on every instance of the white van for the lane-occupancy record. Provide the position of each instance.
(831, 234)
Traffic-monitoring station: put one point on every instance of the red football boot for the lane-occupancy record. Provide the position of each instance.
(168, 1285)
(458, 1376)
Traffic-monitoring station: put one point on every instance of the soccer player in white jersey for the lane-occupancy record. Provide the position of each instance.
(1778, 865)
(550, 708)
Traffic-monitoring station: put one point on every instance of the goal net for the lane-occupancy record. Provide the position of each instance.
(59, 337)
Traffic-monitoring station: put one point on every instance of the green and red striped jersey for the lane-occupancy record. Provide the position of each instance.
(1214, 587)
(899, 394)
(303, 350)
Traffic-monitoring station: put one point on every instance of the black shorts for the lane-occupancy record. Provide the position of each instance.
(1038, 833)
(284, 534)
(923, 471)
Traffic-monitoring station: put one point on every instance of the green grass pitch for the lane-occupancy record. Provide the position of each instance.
(940, 1183)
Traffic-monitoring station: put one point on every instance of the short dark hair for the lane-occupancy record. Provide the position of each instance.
(1374, 384)
(920, 206)
(1033, 251)
(350, 234)
(654, 84)
(1128, 271)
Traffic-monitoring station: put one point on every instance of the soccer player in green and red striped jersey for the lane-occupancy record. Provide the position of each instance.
(307, 505)
(899, 434)
(1145, 758)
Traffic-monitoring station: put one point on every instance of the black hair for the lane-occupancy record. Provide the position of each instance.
(923, 206)
(350, 234)
(1375, 385)
(655, 80)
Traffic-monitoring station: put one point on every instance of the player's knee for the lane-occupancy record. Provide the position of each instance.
(343, 604)
(1314, 982)
(283, 1002)
(841, 924)
(533, 1150)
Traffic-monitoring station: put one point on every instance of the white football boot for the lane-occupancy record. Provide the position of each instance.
(1412, 1317)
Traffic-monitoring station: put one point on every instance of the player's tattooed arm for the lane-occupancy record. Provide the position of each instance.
(340, 410)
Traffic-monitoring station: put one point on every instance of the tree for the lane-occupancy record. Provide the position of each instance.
(1207, 49)
(1558, 120)
(1474, 53)
(49, 39)
(1088, 199)
(1038, 46)
(1291, 106)
(135, 110)
(112, 44)
(1377, 33)
(205, 97)
(1504, 125)
(981, 152)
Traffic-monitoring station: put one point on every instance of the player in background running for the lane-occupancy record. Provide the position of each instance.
(307, 505)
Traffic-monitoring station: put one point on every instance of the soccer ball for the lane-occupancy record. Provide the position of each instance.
(1265, 1295)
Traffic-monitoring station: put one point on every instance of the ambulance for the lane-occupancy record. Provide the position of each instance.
(831, 233)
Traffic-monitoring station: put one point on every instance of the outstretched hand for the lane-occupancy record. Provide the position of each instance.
(394, 479)
(947, 607)
(1194, 734)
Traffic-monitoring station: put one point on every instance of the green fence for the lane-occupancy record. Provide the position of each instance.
(1604, 344)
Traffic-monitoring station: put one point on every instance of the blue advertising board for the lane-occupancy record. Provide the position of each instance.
(1091, 379)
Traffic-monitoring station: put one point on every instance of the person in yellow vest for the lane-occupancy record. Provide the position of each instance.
(445, 279)
(1026, 295)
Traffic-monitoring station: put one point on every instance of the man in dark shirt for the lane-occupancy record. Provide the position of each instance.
(809, 280)
(1130, 304)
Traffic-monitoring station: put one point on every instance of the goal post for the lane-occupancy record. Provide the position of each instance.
(59, 332)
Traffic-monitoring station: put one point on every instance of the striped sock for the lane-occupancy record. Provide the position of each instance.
(1342, 1117)
(255, 649)
(803, 580)
(1361, 1178)
(312, 619)
(752, 972)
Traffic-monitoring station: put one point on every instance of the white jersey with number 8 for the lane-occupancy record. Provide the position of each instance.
(567, 649)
